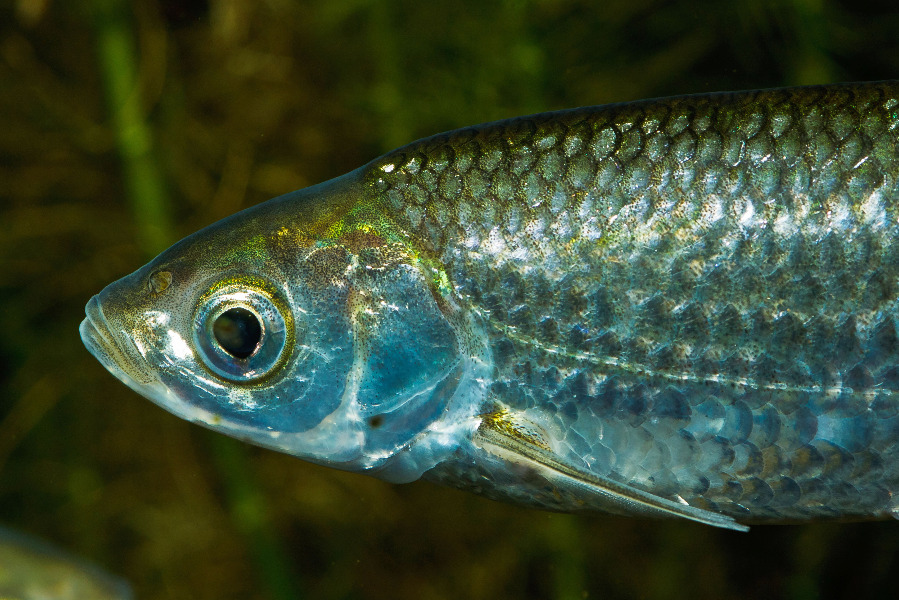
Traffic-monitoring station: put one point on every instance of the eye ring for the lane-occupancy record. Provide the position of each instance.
(241, 332)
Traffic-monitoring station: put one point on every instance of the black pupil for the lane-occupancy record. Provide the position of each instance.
(238, 332)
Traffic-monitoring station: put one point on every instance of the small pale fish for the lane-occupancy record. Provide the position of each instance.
(32, 569)
(682, 307)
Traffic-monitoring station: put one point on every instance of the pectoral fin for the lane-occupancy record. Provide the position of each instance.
(521, 443)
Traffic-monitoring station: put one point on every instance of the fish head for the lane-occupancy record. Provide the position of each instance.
(294, 325)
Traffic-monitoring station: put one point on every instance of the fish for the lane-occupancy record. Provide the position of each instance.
(33, 569)
(680, 308)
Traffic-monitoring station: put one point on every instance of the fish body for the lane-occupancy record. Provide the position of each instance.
(31, 569)
(681, 307)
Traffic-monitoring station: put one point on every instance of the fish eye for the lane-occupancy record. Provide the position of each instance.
(240, 332)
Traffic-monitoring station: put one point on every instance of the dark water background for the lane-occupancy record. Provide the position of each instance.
(126, 125)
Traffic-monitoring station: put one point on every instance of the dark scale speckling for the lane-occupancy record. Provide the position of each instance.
(701, 291)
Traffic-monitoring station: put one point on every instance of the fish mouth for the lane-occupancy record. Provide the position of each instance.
(119, 355)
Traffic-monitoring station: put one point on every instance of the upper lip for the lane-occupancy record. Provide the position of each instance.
(120, 357)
